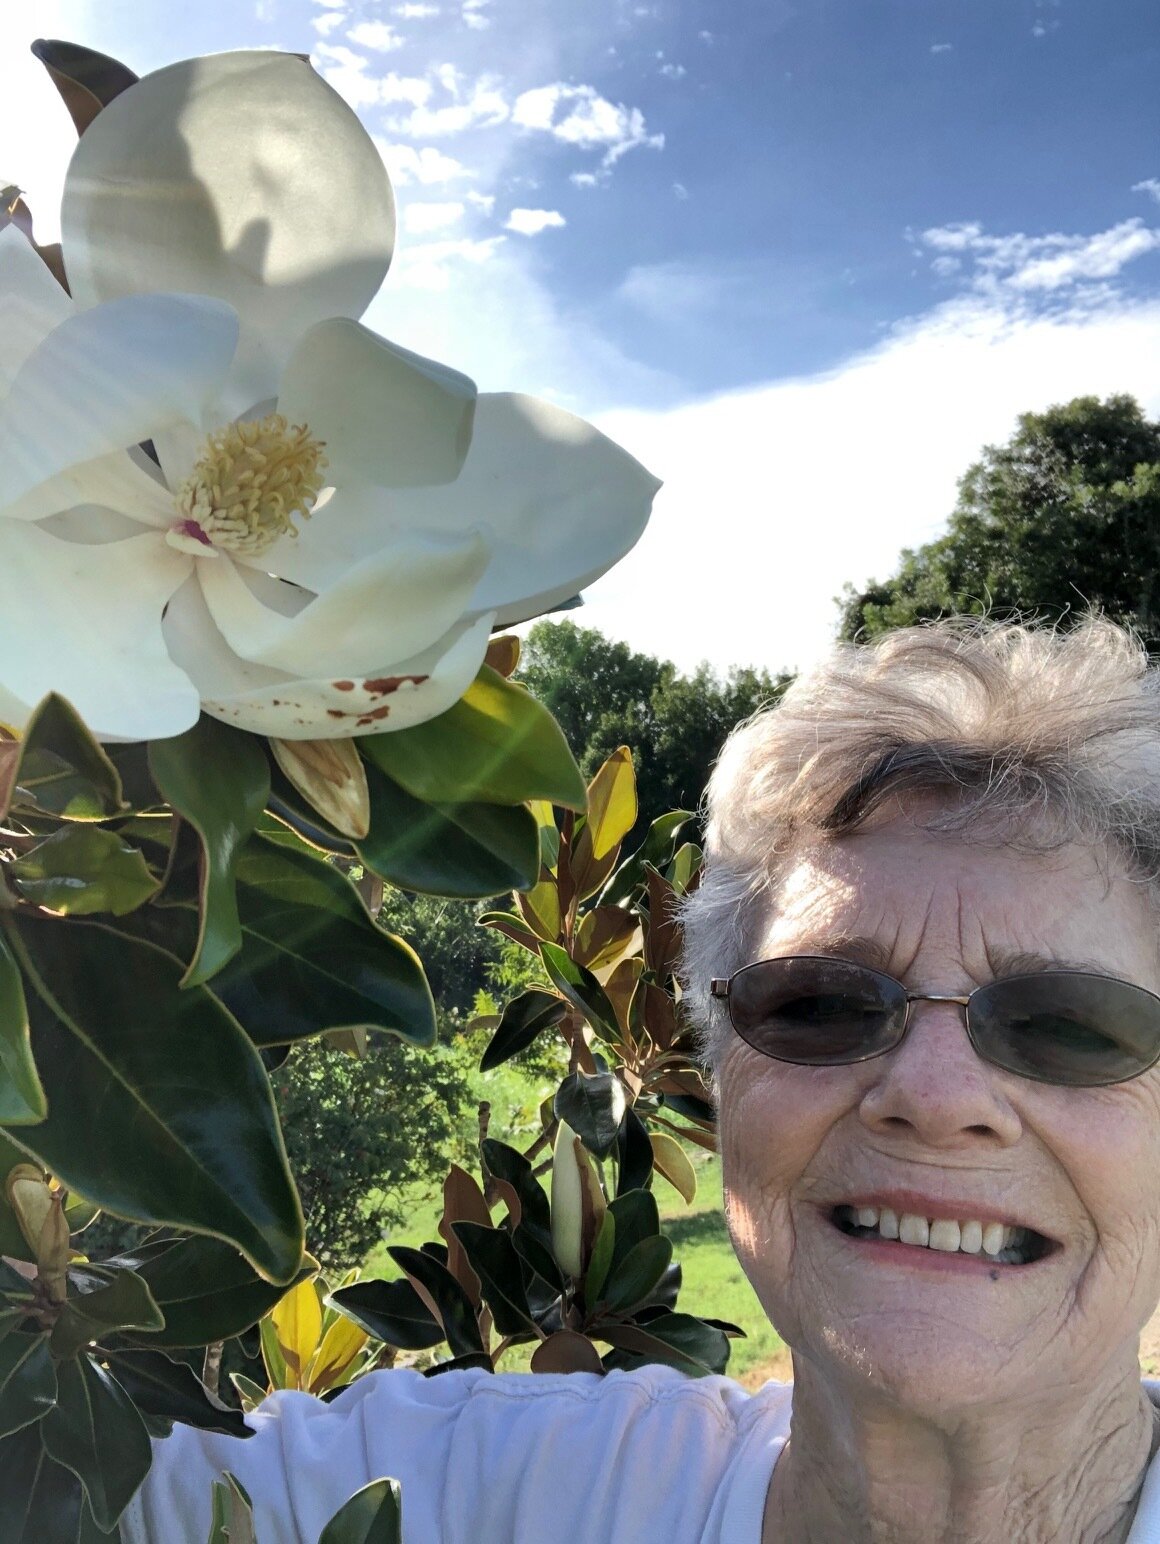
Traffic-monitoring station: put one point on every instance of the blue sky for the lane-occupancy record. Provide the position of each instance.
(804, 259)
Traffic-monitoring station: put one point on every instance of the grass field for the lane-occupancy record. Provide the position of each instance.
(713, 1282)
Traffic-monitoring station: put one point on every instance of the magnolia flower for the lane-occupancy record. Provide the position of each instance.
(328, 526)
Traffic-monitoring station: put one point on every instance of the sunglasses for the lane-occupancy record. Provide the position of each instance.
(1068, 1027)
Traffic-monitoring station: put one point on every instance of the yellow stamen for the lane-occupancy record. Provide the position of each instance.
(249, 484)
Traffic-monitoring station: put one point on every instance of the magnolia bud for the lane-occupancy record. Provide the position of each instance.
(30, 1198)
(330, 776)
(578, 1203)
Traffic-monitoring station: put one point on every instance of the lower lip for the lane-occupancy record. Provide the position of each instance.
(918, 1257)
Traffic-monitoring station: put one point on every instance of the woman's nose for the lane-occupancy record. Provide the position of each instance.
(935, 1087)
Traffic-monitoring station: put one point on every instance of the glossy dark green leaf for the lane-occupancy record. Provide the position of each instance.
(532, 1235)
(634, 1278)
(123, 1303)
(467, 851)
(80, 870)
(27, 1379)
(373, 1515)
(217, 779)
(637, 1219)
(657, 849)
(21, 1095)
(601, 1258)
(497, 744)
(207, 1291)
(95, 1431)
(634, 1154)
(161, 1387)
(391, 1311)
(511, 926)
(582, 990)
(594, 1105)
(492, 1256)
(41, 1502)
(678, 1339)
(690, 1106)
(61, 767)
(450, 1299)
(522, 1020)
(188, 1134)
(312, 959)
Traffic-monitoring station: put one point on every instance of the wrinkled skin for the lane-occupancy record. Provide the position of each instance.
(934, 1403)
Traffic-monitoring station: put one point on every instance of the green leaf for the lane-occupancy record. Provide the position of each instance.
(173, 1390)
(233, 1513)
(95, 1431)
(582, 990)
(61, 767)
(633, 1279)
(492, 1256)
(450, 1299)
(312, 960)
(634, 1156)
(27, 1380)
(656, 849)
(593, 1104)
(612, 803)
(373, 1515)
(637, 1219)
(22, 1098)
(84, 869)
(217, 779)
(693, 1345)
(391, 1311)
(532, 1235)
(43, 1502)
(468, 851)
(125, 1303)
(685, 867)
(207, 1291)
(188, 1134)
(497, 744)
(522, 1020)
(600, 1259)
(511, 926)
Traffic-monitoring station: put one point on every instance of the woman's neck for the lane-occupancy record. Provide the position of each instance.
(862, 1469)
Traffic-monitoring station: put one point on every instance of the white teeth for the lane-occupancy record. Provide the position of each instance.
(971, 1237)
(913, 1230)
(997, 1240)
(945, 1236)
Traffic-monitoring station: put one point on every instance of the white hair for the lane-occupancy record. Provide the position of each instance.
(1021, 734)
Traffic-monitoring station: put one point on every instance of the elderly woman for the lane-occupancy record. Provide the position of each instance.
(926, 962)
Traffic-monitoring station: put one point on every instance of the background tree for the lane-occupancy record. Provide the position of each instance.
(603, 694)
(1063, 516)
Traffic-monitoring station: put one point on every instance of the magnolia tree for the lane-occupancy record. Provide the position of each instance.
(256, 559)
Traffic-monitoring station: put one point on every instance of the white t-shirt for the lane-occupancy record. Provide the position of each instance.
(647, 1457)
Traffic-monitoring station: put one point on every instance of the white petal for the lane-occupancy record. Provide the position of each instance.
(32, 303)
(178, 448)
(389, 606)
(240, 175)
(108, 378)
(85, 621)
(387, 416)
(268, 702)
(119, 482)
(558, 502)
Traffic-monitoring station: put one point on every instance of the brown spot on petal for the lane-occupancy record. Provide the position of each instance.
(374, 713)
(336, 713)
(344, 686)
(382, 686)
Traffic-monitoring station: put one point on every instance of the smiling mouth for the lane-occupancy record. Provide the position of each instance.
(997, 1242)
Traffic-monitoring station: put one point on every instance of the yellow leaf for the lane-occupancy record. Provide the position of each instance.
(673, 1162)
(612, 802)
(297, 1320)
(340, 1346)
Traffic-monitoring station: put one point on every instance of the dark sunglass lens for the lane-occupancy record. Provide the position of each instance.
(1066, 1027)
(815, 1011)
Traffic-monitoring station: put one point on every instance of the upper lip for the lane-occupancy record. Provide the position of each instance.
(920, 1205)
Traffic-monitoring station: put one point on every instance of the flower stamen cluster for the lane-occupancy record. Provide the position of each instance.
(250, 483)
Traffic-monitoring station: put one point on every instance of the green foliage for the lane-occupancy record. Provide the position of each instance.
(355, 1130)
(1064, 516)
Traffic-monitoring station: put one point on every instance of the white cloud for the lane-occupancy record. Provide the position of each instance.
(941, 48)
(474, 14)
(1150, 185)
(421, 219)
(579, 115)
(1047, 265)
(742, 482)
(428, 267)
(422, 164)
(530, 222)
(415, 10)
(327, 22)
(484, 202)
(584, 179)
(485, 107)
(680, 191)
(351, 76)
(404, 88)
(377, 35)
(673, 71)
